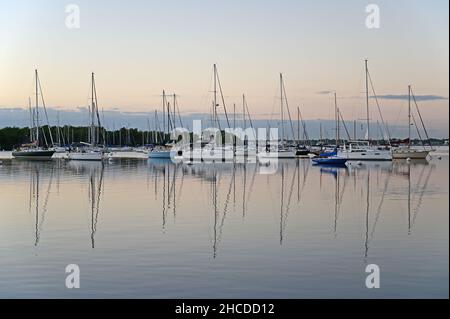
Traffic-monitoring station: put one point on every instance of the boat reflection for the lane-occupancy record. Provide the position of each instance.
(370, 189)
(96, 173)
(37, 204)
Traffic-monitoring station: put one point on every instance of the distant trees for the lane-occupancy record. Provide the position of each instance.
(12, 137)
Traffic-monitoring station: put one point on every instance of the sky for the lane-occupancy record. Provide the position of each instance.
(138, 48)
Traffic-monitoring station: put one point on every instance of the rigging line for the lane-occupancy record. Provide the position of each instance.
(98, 115)
(417, 130)
(288, 205)
(45, 204)
(345, 126)
(420, 116)
(248, 113)
(378, 106)
(225, 210)
(419, 181)
(45, 112)
(215, 118)
(303, 125)
(289, 112)
(252, 182)
(223, 100)
(419, 203)
(97, 204)
(377, 216)
(179, 116)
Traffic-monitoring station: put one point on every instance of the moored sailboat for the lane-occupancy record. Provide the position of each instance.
(363, 150)
(166, 150)
(283, 150)
(34, 150)
(91, 151)
(332, 158)
(405, 152)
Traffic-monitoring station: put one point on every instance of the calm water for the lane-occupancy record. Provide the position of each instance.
(159, 230)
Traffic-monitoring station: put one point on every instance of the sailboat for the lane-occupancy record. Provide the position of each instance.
(408, 152)
(283, 149)
(211, 148)
(302, 150)
(362, 150)
(166, 150)
(332, 158)
(34, 150)
(90, 151)
(248, 147)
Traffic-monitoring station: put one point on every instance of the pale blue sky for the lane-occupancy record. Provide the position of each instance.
(137, 48)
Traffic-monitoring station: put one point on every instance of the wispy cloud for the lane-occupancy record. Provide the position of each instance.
(405, 97)
(325, 92)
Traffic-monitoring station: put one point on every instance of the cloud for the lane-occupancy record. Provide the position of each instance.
(405, 97)
(324, 92)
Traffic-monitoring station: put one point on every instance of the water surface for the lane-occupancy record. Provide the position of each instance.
(154, 229)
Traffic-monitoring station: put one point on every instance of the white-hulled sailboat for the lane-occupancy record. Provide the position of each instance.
(363, 150)
(210, 147)
(166, 150)
(92, 151)
(283, 149)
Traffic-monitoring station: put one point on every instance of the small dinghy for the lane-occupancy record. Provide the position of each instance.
(332, 160)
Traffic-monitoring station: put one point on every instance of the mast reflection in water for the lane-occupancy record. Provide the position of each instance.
(163, 229)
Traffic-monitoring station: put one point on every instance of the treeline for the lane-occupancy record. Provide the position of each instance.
(12, 137)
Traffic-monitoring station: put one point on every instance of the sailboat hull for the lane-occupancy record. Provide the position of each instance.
(33, 155)
(164, 154)
(218, 154)
(366, 155)
(302, 153)
(85, 156)
(330, 161)
(278, 154)
(412, 154)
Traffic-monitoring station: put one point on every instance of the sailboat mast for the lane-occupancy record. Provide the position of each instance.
(37, 108)
(234, 116)
(164, 112)
(298, 125)
(281, 108)
(174, 110)
(367, 100)
(215, 95)
(336, 118)
(243, 110)
(31, 119)
(321, 134)
(409, 116)
(92, 111)
(58, 131)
